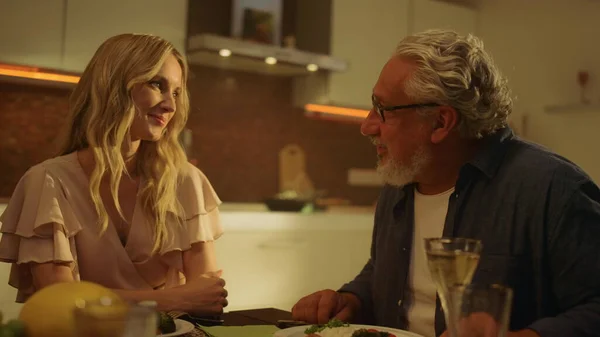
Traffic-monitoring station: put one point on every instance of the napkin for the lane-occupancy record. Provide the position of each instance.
(237, 331)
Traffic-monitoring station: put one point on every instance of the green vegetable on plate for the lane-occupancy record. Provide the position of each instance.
(334, 323)
(166, 324)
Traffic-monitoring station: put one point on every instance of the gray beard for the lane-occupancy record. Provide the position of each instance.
(399, 174)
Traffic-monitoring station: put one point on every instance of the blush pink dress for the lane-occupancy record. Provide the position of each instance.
(51, 218)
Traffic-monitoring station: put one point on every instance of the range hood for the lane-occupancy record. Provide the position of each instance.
(231, 53)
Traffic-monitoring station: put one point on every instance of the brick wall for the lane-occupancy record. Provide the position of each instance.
(30, 119)
(239, 121)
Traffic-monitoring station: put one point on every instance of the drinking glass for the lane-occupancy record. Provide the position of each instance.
(480, 310)
(452, 262)
(109, 318)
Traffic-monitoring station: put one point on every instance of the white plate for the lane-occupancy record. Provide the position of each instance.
(298, 331)
(181, 328)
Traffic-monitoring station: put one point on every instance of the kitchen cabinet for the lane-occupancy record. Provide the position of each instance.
(272, 259)
(429, 14)
(31, 32)
(364, 33)
(64, 35)
(90, 22)
(8, 307)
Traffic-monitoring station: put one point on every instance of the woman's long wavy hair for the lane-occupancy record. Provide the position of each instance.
(101, 112)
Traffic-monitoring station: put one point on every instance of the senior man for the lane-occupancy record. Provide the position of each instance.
(454, 168)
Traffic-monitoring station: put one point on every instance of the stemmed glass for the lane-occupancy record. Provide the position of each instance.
(452, 263)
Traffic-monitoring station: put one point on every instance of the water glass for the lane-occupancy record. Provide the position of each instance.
(479, 310)
(109, 318)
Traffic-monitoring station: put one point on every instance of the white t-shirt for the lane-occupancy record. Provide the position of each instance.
(430, 215)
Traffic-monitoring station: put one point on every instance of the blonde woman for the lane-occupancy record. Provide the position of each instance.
(121, 206)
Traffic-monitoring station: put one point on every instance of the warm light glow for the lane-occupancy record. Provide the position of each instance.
(270, 60)
(336, 110)
(36, 74)
(312, 67)
(225, 52)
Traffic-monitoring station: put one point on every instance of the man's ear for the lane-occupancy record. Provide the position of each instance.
(445, 122)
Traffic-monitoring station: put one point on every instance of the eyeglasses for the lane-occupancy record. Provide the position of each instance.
(382, 109)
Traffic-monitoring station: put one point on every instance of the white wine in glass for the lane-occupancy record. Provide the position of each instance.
(450, 269)
(452, 263)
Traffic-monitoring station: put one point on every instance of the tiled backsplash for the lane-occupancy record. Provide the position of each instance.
(239, 121)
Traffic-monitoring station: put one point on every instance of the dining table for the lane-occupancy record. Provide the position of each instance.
(245, 320)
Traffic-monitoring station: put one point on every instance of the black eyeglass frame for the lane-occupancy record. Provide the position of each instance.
(381, 109)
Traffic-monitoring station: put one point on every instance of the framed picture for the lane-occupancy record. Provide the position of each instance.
(257, 20)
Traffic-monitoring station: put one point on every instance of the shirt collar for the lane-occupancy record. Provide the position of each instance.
(490, 157)
(487, 160)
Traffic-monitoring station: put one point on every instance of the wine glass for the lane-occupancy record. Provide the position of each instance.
(452, 262)
(583, 78)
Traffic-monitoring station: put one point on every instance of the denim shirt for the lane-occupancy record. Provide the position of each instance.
(538, 216)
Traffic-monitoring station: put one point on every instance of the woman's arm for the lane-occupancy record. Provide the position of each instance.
(200, 260)
(203, 295)
(166, 299)
(45, 274)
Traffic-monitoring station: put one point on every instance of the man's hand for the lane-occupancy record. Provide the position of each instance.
(320, 307)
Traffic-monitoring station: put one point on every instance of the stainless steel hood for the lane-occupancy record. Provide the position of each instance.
(206, 49)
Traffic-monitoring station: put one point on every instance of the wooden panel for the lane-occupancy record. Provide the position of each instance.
(209, 16)
(289, 18)
(309, 21)
(313, 26)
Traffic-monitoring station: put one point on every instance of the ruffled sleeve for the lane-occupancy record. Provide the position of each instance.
(38, 226)
(200, 204)
(201, 207)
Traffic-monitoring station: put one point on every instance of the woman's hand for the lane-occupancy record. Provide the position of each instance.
(204, 295)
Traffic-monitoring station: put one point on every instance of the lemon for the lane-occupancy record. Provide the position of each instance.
(49, 312)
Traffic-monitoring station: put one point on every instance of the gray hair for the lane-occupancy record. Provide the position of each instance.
(454, 70)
